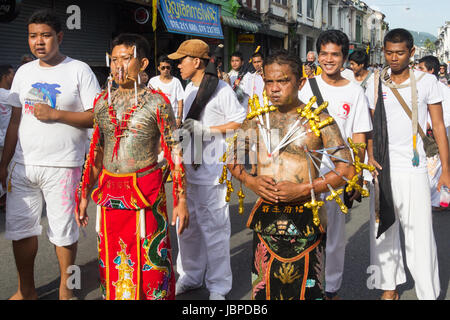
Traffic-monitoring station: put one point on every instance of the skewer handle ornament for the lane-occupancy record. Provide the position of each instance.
(314, 205)
(353, 184)
(335, 194)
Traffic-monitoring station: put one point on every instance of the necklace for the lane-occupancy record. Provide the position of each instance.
(120, 126)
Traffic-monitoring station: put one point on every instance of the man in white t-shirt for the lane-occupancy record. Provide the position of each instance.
(430, 64)
(347, 104)
(402, 171)
(170, 86)
(253, 83)
(359, 63)
(204, 247)
(45, 148)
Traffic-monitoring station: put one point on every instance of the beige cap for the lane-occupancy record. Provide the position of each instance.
(194, 48)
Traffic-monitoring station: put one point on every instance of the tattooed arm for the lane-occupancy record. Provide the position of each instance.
(81, 216)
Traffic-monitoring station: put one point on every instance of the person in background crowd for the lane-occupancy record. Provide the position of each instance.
(6, 79)
(236, 61)
(443, 75)
(253, 83)
(311, 61)
(359, 61)
(170, 86)
(430, 64)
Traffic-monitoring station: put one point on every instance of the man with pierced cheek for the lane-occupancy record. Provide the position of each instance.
(289, 235)
(131, 124)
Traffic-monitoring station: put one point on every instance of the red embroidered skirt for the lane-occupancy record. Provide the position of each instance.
(134, 250)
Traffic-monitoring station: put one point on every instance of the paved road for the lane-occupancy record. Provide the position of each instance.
(353, 286)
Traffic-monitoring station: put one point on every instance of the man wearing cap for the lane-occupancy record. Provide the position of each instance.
(211, 108)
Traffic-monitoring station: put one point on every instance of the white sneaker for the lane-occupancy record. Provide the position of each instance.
(216, 296)
(181, 288)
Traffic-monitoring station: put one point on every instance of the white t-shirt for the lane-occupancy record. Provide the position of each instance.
(346, 104)
(223, 107)
(233, 74)
(445, 91)
(5, 114)
(69, 86)
(348, 74)
(253, 83)
(399, 124)
(173, 90)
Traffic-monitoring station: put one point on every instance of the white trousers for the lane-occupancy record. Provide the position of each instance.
(411, 195)
(204, 247)
(335, 246)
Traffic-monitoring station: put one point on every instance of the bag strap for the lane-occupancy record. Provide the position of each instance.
(407, 110)
(363, 84)
(315, 90)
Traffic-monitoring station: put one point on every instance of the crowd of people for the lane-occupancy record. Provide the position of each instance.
(361, 130)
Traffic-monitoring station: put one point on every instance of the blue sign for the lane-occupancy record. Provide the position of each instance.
(192, 17)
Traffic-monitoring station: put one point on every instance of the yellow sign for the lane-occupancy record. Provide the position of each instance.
(246, 38)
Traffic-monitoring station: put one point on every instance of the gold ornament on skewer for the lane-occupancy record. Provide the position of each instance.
(314, 205)
(335, 195)
(353, 184)
(359, 166)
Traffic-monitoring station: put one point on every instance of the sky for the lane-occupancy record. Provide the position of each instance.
(422, 15)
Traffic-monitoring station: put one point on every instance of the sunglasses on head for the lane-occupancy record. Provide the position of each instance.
(165, 67)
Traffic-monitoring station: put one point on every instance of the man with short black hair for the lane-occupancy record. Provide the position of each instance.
(348, 106)
(236, 61)
(253, 82)
(51, 99)
(359, 63)
(400, 99)
(170, 86)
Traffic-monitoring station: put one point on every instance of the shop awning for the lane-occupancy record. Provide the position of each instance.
(192, 17)
(240, 24)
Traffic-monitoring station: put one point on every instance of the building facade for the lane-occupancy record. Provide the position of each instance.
(244, 25)
(443, 43)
